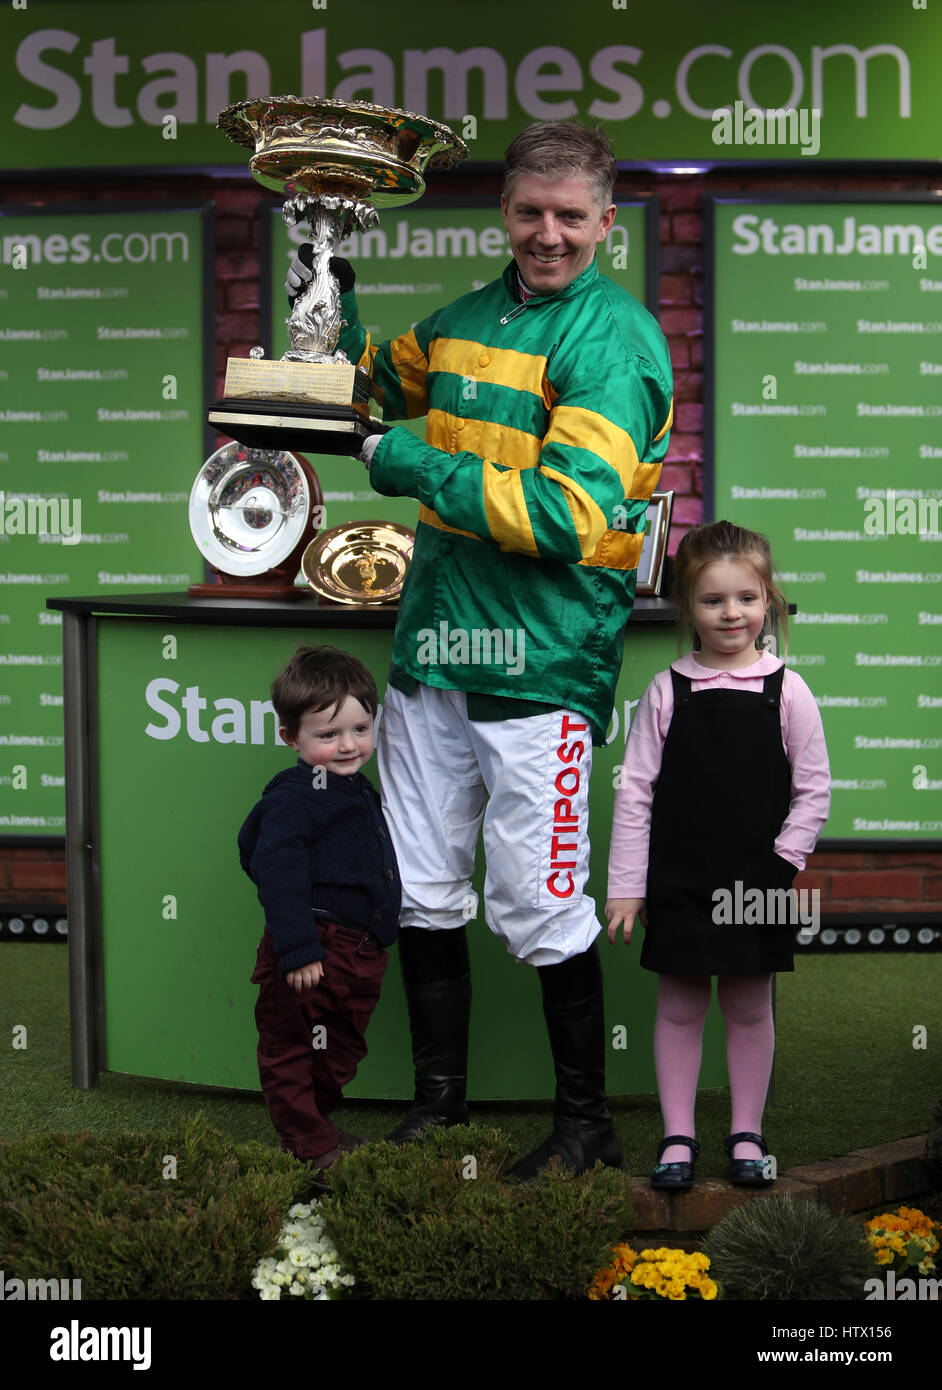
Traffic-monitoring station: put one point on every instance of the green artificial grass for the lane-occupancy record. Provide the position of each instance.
(846, 1075)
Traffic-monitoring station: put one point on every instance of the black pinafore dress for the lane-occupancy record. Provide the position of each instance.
(721, 798)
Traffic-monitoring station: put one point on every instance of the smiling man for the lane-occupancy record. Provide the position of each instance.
(548, 403)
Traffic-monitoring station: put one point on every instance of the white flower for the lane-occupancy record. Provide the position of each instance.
(270, 1293)
(299, 1211)
(299, 1256)
(296, 1289)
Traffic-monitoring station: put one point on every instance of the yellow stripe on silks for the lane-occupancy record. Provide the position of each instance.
(617, 550)
(506, 511)
(670, 420)
(455, 434)
(585, 511)
(586, 429)
(411, 366)
(644, 481)
(433, 519)
(520, 371)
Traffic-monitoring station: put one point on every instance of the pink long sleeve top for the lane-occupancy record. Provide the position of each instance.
(802, 739)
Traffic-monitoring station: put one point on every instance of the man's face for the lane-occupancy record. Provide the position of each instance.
(554, 226)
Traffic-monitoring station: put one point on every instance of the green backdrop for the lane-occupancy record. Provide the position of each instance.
(111, 83)
(823, 380)
(181, 922)
(103, 337)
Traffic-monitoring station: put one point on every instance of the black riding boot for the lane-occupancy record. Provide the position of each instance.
(437, 976)
(582, 1124)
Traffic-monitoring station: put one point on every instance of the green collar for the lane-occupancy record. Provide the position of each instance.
(577, 286)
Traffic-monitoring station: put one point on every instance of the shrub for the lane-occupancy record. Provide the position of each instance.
(412, 1223)
(98, 1209)
(780, 1248)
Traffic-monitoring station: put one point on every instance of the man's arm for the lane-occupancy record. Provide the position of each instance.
(607, 434)
(399, 366)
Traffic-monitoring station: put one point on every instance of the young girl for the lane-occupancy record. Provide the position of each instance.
(727, 783)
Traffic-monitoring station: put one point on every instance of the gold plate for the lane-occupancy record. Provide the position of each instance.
(363, 562)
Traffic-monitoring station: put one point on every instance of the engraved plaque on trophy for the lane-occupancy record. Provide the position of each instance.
(334, 162)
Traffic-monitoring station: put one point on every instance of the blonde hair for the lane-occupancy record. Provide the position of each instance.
(720, 540)
(561, 150)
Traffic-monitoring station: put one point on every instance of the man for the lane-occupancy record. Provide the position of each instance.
(548, 396)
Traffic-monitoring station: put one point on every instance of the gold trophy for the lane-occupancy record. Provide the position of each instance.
(335, 162)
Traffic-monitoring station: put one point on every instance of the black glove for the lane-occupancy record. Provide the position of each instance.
(300, 272)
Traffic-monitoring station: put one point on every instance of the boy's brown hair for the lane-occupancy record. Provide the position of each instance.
(319, 678)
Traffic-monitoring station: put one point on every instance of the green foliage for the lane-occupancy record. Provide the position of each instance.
(98, 1209)
(412, 1224)
(780, 1248)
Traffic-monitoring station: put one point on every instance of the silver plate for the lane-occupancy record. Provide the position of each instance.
(248, 508)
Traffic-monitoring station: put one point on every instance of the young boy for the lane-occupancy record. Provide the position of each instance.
(318, 849)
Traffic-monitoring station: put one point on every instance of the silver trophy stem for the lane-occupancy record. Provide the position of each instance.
(314, 325)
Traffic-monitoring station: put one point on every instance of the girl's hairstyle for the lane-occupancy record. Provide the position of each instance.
(561, 150)
(721, 540)
(319, 678)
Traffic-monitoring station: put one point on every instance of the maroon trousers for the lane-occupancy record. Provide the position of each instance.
(311, 1043)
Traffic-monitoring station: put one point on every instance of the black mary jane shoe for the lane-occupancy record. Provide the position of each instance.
(675, 1177)
(748, 1172)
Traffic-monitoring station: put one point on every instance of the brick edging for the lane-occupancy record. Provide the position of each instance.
(855, 1182)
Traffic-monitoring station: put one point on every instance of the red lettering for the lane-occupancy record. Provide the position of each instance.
(557, 848)
(567, 757)
(568, 725)
(558, 893)
(567, 772)
(568, 818)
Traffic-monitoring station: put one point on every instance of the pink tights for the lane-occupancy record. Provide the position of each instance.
(682, 1003)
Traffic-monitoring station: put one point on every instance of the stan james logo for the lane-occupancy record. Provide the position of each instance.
(564, 852)
(41, 516)
(476, 646)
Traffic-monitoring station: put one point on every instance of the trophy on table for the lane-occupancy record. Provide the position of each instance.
(335, 162)
(252, 508)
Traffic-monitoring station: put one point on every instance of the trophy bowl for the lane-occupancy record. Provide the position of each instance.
(334, 163)
(350, 148)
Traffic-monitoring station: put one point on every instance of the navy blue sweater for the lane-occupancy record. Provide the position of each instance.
(326, 847)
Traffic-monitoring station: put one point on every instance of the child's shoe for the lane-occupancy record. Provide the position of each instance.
(748, 1172)
(675, 1177)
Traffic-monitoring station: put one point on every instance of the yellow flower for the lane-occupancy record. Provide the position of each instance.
(884, 1257)
(708, 1289)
